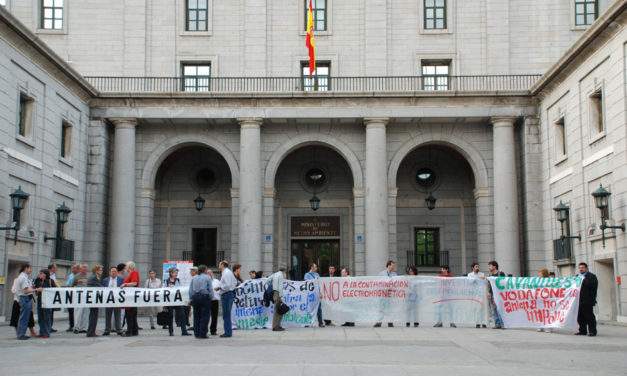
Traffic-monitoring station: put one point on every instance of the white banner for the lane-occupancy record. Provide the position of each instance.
(405, 299)
(99, 297)
(250, 313)
(533, 302)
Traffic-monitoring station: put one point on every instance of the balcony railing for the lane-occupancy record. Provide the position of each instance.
(431, 260)
(277, 85)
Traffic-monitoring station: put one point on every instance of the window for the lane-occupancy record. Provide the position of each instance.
(319, 14)
(26, 115)
(434, 14)
(596, 112)
(320, 79)
(66, 139)
(560, 137)
(52, 14)
(196, 15)
(586, 12)
(427, 246)
(196, 77)
(435, 75)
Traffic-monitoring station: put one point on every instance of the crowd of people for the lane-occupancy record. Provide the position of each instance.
(207, 293)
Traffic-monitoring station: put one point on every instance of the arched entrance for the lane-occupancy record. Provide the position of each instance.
(446, 233)
(310, 176)
(180, 230)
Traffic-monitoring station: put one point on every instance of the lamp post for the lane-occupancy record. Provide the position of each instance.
(601, 201)
(314, 203)
(199, 202)
(18, 199)
(430, 201)
(63, 214)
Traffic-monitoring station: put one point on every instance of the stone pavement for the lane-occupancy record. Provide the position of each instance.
(322, 351)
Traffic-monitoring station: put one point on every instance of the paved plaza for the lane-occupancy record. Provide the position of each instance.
(326, 351)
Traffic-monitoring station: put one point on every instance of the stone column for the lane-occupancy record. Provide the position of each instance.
(250, 200)
(376, 200)
(505, 194)
(122, 245)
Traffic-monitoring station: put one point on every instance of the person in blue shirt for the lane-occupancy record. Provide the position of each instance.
(312, 274)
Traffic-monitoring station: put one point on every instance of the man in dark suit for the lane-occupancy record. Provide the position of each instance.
(94, 281)
(587, 301)
(113, 280)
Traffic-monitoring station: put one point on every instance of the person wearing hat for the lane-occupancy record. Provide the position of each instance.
(175, 311)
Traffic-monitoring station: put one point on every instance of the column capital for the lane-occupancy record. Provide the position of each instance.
(234, 193)
(148, 193)
(250, 122)
(358, 193)
(269, 192)
(123, 122)
(481, 192)
(503, 121)
(376, 122)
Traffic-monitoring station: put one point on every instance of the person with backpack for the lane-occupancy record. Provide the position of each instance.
(277, 297)
(175, 311)
(312, 274)
(493, 269)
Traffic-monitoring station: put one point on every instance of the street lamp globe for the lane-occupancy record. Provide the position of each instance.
(199, 202)
(18, 198)
(601, 197)
(63, 213)
(562, 212)
(430, 201)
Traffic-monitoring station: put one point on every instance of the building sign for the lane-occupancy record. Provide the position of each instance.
(326, 227)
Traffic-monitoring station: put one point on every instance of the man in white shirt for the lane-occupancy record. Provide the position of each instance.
(479, 311)
(52, 269)
(215, 303)
(390, 271)
(277, 297)
(228, 283)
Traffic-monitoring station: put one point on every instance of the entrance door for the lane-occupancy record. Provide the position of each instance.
(204, 246)
(323, 252)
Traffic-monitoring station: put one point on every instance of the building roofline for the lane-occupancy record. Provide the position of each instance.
(41, 47)
(588, 37)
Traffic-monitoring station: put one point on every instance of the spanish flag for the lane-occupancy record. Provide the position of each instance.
(310, 41)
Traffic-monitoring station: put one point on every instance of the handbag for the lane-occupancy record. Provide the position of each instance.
(162, 318)
(283, 308)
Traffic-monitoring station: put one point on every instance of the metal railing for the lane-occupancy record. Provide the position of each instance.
(189, 256)
(396, 84)
(430, 260)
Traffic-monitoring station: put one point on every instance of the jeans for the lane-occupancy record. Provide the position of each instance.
(44, 319)
(497, 318)
(319, 315)
(202, 306)
(215, 307)
(26, 307)
(227, 304)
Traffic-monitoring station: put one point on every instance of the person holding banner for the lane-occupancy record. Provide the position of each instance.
(81, 315)
(43, 281)
(390, 271)
(444, 304)
(69, 282)
(94, 281)
(493, 268)
(587, 300)
(153, 283)
(113, 281)
(345, 273)
(132, 329)
(480, 313)
(179, 311)
(412, 299)
(312, 274)
(228, 283)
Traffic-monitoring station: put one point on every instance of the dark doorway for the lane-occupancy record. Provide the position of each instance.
(204, 246)
(323, 252)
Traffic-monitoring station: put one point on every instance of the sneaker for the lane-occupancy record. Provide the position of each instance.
(438, 325)
(453, 325)
(106, 333)
(53, 330)
(23, 338)
(377, 325)
(225, 336)
(70, 330)
(497, 327)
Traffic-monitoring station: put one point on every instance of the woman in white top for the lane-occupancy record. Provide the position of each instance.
(153, 283)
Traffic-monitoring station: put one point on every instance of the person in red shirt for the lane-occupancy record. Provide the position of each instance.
(132, 280)
(444, 305)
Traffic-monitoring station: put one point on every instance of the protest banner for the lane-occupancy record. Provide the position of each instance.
(404, 299)
(101, 297)
(184, 267)
(534, 302)
(249, 312)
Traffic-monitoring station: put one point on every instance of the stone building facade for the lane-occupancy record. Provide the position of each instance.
(369, 143)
